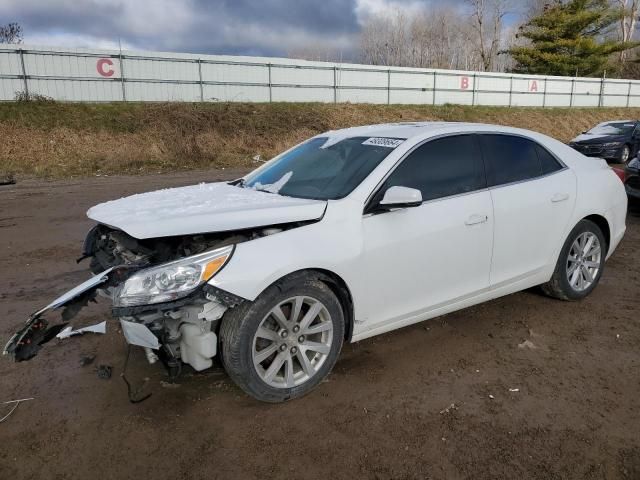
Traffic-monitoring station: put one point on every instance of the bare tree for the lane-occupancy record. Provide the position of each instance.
(488, 16)
(384, 39)
(628, 22)
(439, 35)
(11, 33)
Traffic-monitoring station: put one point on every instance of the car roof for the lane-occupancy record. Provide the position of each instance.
(409, 130)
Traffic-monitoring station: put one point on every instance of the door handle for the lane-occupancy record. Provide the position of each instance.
(560, 197)
(475, 219)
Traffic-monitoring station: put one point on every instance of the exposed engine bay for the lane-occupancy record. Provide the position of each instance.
(179, 330)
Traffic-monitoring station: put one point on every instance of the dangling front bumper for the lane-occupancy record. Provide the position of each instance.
(26, 342)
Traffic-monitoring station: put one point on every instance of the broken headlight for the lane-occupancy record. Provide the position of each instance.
(171, 281)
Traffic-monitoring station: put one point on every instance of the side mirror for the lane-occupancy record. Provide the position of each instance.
(583, 132)
(400, 197)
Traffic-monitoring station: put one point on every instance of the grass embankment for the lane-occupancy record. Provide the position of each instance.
(50, 139)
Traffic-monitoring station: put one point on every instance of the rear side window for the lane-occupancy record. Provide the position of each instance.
(441, 168)
(509, 159)
(548, 163)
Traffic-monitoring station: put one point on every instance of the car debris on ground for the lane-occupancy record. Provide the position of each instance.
(104, 371)
(453, 406)
(70, 332)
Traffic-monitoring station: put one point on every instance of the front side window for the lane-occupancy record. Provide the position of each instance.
(441, 168)
(321, 168)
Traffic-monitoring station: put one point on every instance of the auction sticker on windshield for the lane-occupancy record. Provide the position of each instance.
(383, 142)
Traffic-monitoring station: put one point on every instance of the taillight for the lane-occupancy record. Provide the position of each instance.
(620, 173)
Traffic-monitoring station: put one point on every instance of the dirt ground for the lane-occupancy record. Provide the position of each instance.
(384, 411)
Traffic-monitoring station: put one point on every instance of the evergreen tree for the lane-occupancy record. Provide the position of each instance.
(569, 38)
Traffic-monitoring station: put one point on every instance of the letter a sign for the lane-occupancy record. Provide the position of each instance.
(533, 85)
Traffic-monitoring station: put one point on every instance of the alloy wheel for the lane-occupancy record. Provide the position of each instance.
(292, 342)
(583, 262)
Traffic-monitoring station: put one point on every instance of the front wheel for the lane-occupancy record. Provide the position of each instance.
(284, 343)
(580, 264)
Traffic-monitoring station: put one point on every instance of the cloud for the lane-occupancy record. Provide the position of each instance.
(268, 27)
(367, 8)
(240, 27)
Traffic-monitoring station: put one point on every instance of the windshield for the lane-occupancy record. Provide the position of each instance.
(613, 128)
(320, 169)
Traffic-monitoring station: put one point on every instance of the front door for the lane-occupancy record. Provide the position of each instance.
(418, 259)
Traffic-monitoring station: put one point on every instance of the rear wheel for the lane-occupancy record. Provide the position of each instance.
(283, 344)
(580, 263)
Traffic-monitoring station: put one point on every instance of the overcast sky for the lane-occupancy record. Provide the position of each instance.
(242, 27)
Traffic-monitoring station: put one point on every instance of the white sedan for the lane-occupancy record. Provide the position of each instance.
(347, 235)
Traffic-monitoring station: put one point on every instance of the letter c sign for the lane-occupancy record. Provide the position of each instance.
(105, 67)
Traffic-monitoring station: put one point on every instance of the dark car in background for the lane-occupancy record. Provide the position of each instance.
(616, 140)
(631, 179)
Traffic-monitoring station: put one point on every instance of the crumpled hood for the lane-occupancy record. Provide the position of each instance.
(203, 208)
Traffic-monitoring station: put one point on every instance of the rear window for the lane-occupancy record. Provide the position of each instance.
(509, 158)
(548, 163)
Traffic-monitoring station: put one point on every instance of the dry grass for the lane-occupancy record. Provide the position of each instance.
(62, 140)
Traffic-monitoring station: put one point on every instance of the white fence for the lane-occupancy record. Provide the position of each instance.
(106, 76)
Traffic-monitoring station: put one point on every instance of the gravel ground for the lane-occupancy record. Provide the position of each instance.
(451, 398)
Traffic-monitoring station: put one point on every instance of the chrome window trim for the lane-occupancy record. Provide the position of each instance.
(376, 189)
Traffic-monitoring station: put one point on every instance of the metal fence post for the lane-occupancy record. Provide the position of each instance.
(24, 73)
(544, 94)
(573, 83)
(335, 84)
(389, 87)
(510, 89)
(435, 74)
(269, 82)
(600, 102)
(473, 91)
(628, 94)
(124, 95)
(200, 80)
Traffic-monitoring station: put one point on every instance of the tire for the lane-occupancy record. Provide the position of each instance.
(569, 280)
(243, 346)
(625, 155)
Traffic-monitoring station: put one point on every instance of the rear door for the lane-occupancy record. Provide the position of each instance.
(533, 196)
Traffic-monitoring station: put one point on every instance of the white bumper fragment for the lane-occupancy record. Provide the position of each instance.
(139, 334)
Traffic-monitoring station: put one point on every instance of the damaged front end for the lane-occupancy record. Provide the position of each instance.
(159, 292)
